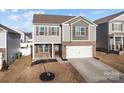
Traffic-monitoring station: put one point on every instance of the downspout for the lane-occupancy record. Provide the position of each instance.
(61, 33)
(70, 32)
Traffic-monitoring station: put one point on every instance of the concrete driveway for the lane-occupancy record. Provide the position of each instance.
(93, 70)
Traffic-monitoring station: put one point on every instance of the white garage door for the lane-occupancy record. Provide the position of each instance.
(78, 51)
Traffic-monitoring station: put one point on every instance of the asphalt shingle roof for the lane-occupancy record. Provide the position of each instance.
(57, 19)
(107, 18)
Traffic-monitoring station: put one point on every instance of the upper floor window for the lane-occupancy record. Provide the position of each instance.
(53, 30)
(80, 30)
(117, 26)
(42, 30)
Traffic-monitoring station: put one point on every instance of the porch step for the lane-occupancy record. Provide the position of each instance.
(61, 61)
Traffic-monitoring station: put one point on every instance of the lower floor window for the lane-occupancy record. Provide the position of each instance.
(118, 40)
(44, 48)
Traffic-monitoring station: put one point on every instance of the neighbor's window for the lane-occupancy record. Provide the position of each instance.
(44, 48)
(53, 30)
(80, 31)
(117, 26)
(118, 40)
(42, 30)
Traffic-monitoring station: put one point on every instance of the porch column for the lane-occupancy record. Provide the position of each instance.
(114, 42)
(52, 50)
(110, 42)
(122, 42)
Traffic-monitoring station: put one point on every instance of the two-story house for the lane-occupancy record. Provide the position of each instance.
(110, 33)
(63, 36)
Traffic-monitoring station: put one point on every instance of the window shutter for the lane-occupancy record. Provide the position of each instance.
(49, 31)
(112, 27)
(121, 27)
(36, 49)
(86, 30)
(46, 30)
(37, 30)
(74, 30)
(57, 31)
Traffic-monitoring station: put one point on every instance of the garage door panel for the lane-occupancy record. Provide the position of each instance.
(78, 51)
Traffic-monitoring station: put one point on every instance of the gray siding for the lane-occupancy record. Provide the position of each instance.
(93, 33)
(79, 23)
(2, 39)
(102, 36)
(65, 32)
(47, 39)
(13, 45)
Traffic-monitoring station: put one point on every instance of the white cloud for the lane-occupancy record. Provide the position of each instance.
(26, 17)
(98, 12)
(13, 17)
(14, 10)
(81, 14)
(3, 10)
(16, 27)
(70, 14)
(29, 14)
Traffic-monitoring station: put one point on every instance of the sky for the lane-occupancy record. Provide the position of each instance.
(21, 19)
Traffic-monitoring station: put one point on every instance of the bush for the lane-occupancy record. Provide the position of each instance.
(5, 66)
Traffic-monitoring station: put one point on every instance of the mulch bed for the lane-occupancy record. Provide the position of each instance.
(44, 61)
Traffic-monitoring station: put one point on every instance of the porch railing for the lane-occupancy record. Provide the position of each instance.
(117, 47)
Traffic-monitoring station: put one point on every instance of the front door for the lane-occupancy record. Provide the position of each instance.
(118, 43)
(57, 50)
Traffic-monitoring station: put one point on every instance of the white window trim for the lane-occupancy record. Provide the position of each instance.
(80, 31)
(118, 40)
(51, 30)
(116, 23)
(44, 30)
(43, 46)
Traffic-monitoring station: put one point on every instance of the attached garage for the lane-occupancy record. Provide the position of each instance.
(79, 51)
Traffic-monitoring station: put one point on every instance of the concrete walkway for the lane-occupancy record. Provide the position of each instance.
(93, 70)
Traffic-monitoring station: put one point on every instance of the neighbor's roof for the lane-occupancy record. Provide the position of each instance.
(107, 18)
(57, 19)
(8, 29)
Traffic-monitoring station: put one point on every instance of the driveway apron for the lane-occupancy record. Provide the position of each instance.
(93, 70)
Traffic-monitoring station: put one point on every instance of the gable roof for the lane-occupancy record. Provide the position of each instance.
(108, 18)
(57, 19)
(78, 18)
(8, 29)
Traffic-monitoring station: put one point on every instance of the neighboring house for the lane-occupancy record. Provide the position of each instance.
(110, 33)
(63, 36)
(26, 43)
(9, 43)
(25, 36)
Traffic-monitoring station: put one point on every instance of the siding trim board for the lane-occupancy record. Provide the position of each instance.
(80, 20)
(71, 19)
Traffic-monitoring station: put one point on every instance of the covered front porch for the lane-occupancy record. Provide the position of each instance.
(117, 43)
(47, 51)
